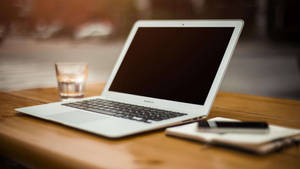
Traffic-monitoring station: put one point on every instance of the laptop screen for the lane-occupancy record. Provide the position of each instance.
(172, 63)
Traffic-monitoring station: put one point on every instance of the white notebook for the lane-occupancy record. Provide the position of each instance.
(276, 138)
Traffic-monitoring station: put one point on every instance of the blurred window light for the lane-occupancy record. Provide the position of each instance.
(96, 29)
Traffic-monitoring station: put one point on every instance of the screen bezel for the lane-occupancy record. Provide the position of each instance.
(174, 105)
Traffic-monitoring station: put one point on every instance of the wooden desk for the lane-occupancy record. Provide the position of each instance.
(40, 144)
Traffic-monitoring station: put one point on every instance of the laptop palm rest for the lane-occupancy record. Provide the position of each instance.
(75, 117)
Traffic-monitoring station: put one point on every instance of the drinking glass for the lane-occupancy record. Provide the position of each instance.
(71, 79)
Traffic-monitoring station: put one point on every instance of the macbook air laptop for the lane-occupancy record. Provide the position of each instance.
(168, 73)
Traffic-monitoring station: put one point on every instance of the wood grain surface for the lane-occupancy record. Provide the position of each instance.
(40, 144)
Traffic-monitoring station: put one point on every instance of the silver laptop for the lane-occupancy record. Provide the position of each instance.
(168, 73)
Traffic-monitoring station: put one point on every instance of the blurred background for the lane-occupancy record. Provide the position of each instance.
(34, 34)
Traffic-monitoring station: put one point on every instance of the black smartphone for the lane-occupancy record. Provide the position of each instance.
(233, 126)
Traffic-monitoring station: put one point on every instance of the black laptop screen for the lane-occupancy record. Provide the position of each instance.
(177, 64)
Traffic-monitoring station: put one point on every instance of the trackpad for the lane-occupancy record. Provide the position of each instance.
(75, 116)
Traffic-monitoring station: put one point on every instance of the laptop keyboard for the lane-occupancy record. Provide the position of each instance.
(123, 110)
